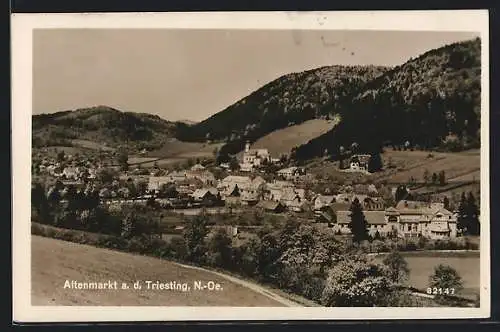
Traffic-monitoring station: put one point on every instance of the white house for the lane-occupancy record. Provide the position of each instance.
(321, 201)
(359, 162)
(290, 173)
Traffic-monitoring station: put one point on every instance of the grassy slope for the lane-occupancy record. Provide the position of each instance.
(461, 166)
(282, 141)
(457, 166)
(54, 261)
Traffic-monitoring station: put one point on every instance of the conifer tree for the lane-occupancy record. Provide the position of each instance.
(358, 224)
(472, 215)
(462, 219)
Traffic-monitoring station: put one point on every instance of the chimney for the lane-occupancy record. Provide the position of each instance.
(247, 146)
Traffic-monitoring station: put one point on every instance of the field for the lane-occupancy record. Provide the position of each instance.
(460, 166)
(422, 265)
(284, 140)
(54, 262)
(91, 145)
(184, 150)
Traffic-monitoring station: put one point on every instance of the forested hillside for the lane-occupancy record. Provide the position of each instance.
(288, 100)
(432, 101)
(101, 124)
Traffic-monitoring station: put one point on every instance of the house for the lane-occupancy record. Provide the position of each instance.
(206, 196)
(293, 201)
(70, 173)
(197, 168)
(229, 184)
(177, 176)
(291, 173)
(359, 162)
(376, 222)
(348, 198)
(156, 182)
(321, 201)
(204, 176)
(271, 206)
(249, 198)
(273, 191)
(373, 204)
(433, 222)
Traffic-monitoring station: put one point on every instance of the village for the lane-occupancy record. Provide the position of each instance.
(197, 189)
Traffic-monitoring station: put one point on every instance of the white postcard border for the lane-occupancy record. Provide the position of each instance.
(22, 27)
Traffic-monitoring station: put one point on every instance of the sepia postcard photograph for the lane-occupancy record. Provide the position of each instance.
(250, 166)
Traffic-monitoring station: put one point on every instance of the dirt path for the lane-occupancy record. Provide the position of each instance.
(255, 287)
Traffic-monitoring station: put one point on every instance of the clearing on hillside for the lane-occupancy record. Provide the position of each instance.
(284, 140)
(55, 261)
(407, 164)
(174, 148)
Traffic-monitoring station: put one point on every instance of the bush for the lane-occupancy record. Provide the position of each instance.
(354, 282)
(379, 246)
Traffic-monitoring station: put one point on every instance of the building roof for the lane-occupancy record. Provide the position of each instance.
(269, 205)
(289, 195)
(240, 180)
(197, 167)
(200, 193)
(325, 199)
(288, 170)
(372, 217)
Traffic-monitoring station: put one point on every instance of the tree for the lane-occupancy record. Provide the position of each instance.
(434, 178)
(194, 238)
(355, 282)
(446, 203)
(233, 164)
(442, 178)
(462, 218)
(128, 226)
(375, 162)
(123, 160)
(61, 156)
(40, 203)
(426, 176)
(358, 224)
(468, 215)
(398, 267)
(401, 193)
(473, 215)
(446, 281)
(220, 249)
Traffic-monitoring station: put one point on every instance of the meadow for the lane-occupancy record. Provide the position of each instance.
(54, 261)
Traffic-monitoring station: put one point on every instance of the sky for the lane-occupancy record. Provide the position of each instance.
(184, 74)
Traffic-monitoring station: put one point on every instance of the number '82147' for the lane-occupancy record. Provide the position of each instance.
(440, 291)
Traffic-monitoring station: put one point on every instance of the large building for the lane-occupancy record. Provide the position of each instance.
(428, 220)
(253, 158)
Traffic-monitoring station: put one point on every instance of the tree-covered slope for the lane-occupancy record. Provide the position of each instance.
(288, 100)
(104, 125)
(430, 101)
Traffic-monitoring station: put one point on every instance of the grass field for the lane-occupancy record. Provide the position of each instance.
(91, 145)
(457, 166)
(178, 149)
(422, 266)
(284, 140)
(55, 261)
